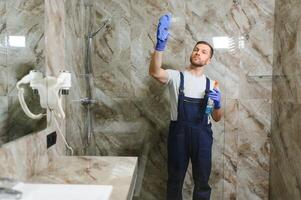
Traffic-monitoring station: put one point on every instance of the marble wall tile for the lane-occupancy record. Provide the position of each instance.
(287, 31)
(253, 166)
(55, 40)
(255, 115)
(218, 161)
(55, 59)
(256, 83)
(286, 87)
(253, 181)
(26, 156)
(111, 61)
(285, 178)
(257, 54)
(253, 149)
(229, 81)
(230, 152)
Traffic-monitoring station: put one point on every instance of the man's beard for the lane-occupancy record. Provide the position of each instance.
(201, 64)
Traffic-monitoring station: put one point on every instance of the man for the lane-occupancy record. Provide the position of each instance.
(190, 134)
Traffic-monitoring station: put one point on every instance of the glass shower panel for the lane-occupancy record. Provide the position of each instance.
(254, 106)
(78, 103)
(112, 72)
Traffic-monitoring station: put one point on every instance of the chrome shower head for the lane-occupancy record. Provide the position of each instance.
(91, 35)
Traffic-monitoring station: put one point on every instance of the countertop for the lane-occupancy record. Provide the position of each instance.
(119, 172)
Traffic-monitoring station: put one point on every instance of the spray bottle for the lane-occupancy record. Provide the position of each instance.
(210, 103)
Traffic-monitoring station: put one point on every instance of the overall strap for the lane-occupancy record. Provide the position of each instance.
(207, 86)
(181, 98)
(181, 88)
(203, 107)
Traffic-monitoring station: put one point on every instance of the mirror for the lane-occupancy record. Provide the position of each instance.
(21, 50)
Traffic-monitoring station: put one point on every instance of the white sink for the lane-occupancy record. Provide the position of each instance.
(63, 191)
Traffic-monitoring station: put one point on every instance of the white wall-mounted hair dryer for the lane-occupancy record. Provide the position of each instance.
(50, 90)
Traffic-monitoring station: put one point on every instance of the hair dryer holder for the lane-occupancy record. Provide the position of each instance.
(50, 90)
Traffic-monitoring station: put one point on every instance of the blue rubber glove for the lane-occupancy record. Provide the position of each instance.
(215, 95)
(162, 32)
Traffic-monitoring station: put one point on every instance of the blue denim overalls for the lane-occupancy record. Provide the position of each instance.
(190, 137)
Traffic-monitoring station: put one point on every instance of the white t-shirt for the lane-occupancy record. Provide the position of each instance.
(194, 87)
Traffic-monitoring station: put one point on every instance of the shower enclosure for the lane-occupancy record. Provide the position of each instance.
(88, 101)
(116, 109)
(85, 77)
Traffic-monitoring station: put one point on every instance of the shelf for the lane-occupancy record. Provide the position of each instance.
(263, 77)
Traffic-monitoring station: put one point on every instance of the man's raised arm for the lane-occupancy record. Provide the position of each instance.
(155, 67)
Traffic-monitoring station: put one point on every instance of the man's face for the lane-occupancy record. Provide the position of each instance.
(200, 55)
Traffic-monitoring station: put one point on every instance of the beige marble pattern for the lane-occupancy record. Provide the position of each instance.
(119, 172)
(111, 45)
(27, 159)
(55, 40)
(25, 156)
(55, 57)
(285, 164)
(230, 153)
(253, 148)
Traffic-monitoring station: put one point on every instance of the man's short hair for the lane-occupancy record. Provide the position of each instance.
(207, 43)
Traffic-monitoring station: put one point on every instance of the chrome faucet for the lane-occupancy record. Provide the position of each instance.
(6, 189)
